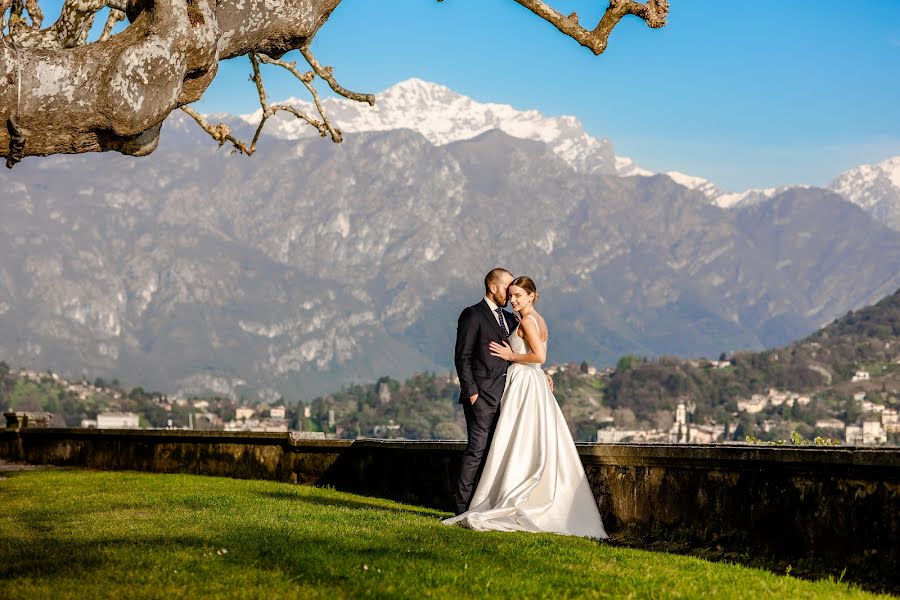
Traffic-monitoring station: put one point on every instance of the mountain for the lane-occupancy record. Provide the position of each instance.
(875, 188)
(443, 116)
(312, 265)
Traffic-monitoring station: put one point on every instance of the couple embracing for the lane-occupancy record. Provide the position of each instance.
(520, 470)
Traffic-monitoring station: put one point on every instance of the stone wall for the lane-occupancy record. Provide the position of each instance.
(837, 506)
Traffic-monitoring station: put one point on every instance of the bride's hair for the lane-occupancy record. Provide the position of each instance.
(526, 284)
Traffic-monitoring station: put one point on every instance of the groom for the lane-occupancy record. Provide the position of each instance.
(482, 377)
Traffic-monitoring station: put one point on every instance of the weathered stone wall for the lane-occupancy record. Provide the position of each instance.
(840, 506)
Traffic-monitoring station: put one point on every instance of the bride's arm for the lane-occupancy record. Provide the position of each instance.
(538, 352)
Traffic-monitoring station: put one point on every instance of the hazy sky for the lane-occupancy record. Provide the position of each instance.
(748, 94)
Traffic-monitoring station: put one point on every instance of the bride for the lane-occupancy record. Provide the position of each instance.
(533, 479)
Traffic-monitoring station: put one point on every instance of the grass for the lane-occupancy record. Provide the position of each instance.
(69, 533)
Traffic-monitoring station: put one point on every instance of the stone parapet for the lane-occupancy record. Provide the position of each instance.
(27, 419)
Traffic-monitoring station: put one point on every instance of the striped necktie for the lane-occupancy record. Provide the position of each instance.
(502, 322)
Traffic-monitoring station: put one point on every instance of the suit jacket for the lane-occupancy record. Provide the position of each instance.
(478, 371)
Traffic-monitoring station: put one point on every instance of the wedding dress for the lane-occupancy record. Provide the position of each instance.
(533, 479)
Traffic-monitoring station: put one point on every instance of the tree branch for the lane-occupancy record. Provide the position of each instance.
(114, 93)
(653, 12)
(327, 73)
(325, 126)
(221, 132)
(34, 11)
(69, 30)
(115, 15)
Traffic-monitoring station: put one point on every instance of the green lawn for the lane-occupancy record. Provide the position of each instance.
(124, 534)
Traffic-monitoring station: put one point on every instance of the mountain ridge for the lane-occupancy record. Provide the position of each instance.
(314, 265)
(444, 116)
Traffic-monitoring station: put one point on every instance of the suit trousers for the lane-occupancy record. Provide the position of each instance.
(481, 420)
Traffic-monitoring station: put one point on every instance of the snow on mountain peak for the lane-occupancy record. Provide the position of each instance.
(626, 167)
(866, 185)
(704, 186)
(892, 167)
(419, 89)
(444, 116)
(875, 188)
(751, 196)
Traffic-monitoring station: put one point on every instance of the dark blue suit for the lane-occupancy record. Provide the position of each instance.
(482, 374)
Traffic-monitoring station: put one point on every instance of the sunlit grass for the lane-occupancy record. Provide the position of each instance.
(123, 534)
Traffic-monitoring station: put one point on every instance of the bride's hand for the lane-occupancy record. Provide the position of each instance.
(505, 351)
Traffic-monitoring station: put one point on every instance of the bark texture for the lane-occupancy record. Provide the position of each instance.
(115, 94)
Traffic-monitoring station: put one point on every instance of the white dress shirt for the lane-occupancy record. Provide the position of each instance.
(494, 308)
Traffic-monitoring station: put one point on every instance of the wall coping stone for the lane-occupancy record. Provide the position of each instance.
(744, 456)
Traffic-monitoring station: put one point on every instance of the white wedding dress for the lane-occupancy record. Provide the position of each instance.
(533, 479)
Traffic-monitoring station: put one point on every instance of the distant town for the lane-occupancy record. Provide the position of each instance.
(338, 416)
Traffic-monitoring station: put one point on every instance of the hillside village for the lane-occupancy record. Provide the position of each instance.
(842, 383)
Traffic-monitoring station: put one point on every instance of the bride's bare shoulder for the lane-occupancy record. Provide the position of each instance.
(542, 325)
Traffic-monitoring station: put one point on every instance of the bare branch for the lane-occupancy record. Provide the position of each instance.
(34, 11)
(4, 6)
(653, 12)
(86, 30)
(69, 30)
(221, 132)
(327, 73)
(322, 127)
(325, 127)
(115, 15)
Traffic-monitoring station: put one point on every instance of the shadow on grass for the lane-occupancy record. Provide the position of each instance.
(299, 557)
(374, 504)
(871, 576)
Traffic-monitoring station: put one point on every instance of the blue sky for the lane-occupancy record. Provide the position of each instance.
(748, 94)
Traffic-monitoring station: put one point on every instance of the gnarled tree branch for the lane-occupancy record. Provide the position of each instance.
(115, 15)
(653, 12)
(327, 73)
(325, 127)
(222, 133)
(114, 93)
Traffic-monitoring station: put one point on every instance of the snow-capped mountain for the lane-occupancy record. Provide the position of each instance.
(875, 188)
(725, 199)
(444, 116)
(704, 186)
(751, 196)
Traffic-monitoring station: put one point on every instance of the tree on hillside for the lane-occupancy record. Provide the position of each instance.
(64, 93)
